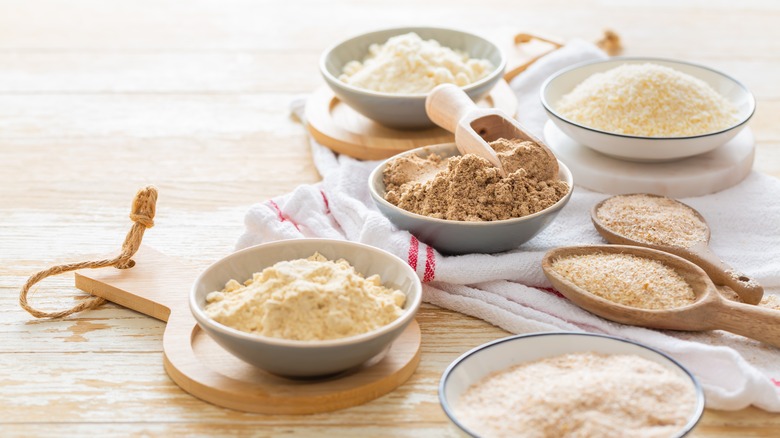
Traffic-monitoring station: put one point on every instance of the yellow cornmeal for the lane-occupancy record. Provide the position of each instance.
(306, 299)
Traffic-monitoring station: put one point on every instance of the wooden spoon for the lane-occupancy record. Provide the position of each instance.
(749, 291)
(451, 108)
(710, 311)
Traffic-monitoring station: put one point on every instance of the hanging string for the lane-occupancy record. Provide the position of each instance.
(142, 215)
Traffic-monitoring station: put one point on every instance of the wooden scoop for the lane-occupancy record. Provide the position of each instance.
(749, 291)
(710, 311)
(452, 109)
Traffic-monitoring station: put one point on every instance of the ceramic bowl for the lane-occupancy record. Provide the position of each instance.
(637, 148)
(461, 237)
(514, 350)
(306, 358)
(405, 111)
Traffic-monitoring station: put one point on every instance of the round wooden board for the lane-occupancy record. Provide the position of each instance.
(227, 381)
(700, 175)
(156, 286)
(337, 126)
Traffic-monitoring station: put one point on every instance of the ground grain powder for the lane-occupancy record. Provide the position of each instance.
(653, 219)
(648, 100)
(579, 395)
(469, 188)
(627, 279)
(307, 300)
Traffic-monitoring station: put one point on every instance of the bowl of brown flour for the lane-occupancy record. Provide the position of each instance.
(567, 385)
(461, 204)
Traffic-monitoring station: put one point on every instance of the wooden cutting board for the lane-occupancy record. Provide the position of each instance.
(334, 124)
(159, 286)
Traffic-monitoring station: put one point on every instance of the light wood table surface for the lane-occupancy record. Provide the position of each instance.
(98, 98)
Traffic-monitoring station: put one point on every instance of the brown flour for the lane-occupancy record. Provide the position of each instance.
(469, 188)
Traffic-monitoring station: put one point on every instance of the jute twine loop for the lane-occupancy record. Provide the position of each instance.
(610, 43)
(142, 215)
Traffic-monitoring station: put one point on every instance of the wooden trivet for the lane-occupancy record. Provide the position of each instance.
(158, 286)
(337, 126)
(699, 175)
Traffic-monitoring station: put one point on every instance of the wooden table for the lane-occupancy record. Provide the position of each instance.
(98, 98)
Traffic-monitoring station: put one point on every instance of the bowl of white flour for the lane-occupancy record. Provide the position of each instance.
(385, 75)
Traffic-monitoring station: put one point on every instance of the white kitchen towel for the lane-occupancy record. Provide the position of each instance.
(509, 289)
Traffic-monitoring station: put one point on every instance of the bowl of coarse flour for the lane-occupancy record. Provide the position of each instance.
(647, 109)
(385, 75)
(570, 385)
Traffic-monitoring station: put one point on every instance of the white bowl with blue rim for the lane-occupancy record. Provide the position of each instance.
(639, 148)
(505, 353)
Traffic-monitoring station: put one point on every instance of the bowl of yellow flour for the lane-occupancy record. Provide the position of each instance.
(306, 307)
(647, 109)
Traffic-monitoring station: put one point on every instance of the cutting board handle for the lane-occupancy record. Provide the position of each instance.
(155, 286)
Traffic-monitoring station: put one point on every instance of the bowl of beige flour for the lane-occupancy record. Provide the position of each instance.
(306, 307)
(570, 385)
(461, 204)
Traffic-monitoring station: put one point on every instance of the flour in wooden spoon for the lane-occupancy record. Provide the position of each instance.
(653, 219)
(627, 279)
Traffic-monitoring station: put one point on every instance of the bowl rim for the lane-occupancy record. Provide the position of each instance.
(617, 60)
(379, 198)
(408, 313)
(692, 422)
(497, 70)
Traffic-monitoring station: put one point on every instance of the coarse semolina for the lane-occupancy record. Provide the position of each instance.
(647, 100)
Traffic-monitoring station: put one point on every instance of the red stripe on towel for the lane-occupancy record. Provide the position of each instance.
(552, 291)
(776, 382)
(281, 215)
(430, 264)
(327, 204)
(413, 251)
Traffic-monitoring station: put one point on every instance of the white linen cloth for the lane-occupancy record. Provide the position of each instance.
(510, 290)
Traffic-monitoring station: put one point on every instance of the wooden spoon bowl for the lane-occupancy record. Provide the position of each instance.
(709, 311)
(748, 290)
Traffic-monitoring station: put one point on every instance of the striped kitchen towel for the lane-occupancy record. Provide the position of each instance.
(509, 289)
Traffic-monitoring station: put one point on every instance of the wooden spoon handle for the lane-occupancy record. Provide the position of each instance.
(753, 322)
(749, 291)
(446, 105)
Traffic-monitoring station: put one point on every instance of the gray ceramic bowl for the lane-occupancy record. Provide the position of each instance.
(637, 148)
(514, 350)
(405, 111)
(306, 358)
(460, 237)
